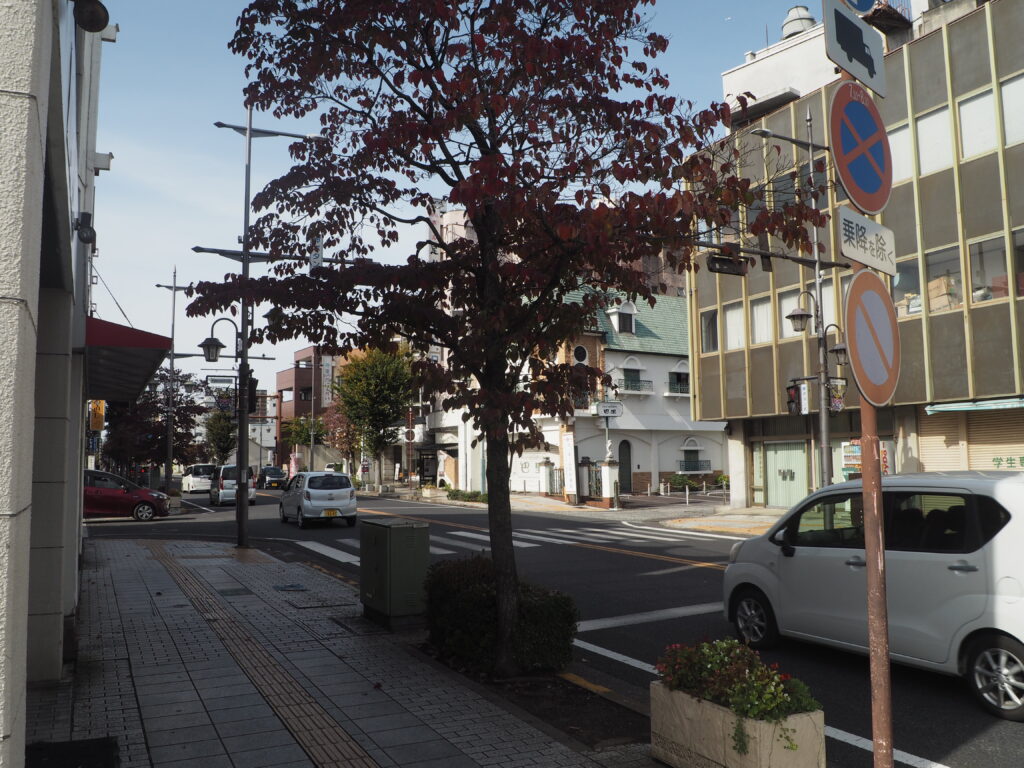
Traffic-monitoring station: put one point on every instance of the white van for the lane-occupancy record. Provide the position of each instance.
(196, 477)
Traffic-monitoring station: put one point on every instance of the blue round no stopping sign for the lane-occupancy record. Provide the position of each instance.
(861, 6)
(860, 146)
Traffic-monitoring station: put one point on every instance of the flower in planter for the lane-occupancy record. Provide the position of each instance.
(732, 675)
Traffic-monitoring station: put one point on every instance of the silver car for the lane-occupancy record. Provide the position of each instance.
(319, 496)
(954, 578)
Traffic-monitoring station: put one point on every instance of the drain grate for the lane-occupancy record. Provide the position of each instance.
(234, 591)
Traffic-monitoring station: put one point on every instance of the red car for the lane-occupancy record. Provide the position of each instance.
(108, 495)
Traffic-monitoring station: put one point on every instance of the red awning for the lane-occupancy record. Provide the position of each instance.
(120, 360)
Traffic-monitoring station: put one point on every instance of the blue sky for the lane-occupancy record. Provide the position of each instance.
(177, 181)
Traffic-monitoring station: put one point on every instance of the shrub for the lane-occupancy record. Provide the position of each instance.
(456, 495)
(730, 674)
(462, 616)
(679, 482)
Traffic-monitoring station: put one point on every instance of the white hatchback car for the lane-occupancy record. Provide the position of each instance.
(319, 496)
(954, 578)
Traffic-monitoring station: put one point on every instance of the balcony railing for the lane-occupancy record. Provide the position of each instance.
(635, 385)
(679, 387)
(695, 465)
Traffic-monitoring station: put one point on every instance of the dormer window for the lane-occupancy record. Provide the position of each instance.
(624, 317)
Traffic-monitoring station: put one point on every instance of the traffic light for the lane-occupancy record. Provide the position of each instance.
(793, 401)
(252, 394)
(724, 265)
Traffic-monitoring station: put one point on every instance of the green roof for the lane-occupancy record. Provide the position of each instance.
(660, 330)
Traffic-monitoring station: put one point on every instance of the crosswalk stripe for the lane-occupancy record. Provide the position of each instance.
(548, 539)
(331, 552)
(460, 544)
(354, 544)
(585, 536)
(481, 537)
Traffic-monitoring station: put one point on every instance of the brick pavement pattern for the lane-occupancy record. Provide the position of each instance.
(198, 654)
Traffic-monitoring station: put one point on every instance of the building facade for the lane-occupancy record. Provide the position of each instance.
(954, 115)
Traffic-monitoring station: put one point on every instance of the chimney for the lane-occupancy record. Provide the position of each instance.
(797, 20)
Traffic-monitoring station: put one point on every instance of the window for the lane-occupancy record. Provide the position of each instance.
(107, 481)
(735, 331)
(930, 522)
(709, 330)
(579, 354)
(906, 288)
(625, 322)
(631, 376)
(1018, 259)
(329, 482)
(828, 301)
(761, 321)
(902, 156)
(679, 383)
(934, 144)
(1013, 109)
(945, 284)
(787, 303)
(988, 270)
(977, 125)
(835, 521)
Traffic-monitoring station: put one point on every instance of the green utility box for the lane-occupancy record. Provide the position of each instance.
(394, 556)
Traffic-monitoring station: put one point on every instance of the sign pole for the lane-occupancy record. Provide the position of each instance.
(878, 619)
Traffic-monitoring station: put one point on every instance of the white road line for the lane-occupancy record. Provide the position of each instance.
(572, 532)
(441, 551)
(194, 504)
(833, 733)
(633, 535)
(683, 532)
(349, 543)
(481, 537)
(648, 616)
(548, 539)
(898, 754)
(461, 544)
(616, 656)
(331, 552)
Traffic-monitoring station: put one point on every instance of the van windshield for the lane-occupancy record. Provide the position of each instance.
(203, 470)
(273, 472)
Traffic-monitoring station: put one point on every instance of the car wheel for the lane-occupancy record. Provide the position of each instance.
(995, 673)
(280, 510)
(299, 518)
(351, 521)
(755, 619)
(144, 512)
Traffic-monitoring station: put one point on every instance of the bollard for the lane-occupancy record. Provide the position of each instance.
(687, 495)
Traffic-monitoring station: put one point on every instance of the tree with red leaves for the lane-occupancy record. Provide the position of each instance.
(547, 122)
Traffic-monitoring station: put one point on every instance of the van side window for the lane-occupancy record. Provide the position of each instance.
(991, 517)
(834, 521)
(928, 522)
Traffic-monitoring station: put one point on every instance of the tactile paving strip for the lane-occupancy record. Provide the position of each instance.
(324, 740)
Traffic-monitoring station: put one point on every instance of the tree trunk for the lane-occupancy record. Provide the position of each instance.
(499, 513)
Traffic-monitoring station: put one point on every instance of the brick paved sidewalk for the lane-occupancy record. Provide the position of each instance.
(196, 654)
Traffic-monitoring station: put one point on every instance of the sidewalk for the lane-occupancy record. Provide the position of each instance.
(197, 654)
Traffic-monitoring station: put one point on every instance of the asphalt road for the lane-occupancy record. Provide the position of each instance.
(640, 587)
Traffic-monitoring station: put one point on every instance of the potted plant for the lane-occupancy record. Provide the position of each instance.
(718, 704)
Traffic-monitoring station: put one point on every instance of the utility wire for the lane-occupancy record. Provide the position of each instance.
(116, 302)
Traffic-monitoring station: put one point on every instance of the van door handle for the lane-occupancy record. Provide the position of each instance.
(856, 561)
(963, 567)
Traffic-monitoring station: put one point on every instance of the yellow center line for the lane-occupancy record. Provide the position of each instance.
(580, 544)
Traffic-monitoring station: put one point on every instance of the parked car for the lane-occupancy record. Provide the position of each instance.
(319, 496)
(271, 477)
(954, 578)
(196, 477)
(332, 467)
(225, 482)
(107, 495)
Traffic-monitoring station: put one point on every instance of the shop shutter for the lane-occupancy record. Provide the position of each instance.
(996, 439)
(938, 438)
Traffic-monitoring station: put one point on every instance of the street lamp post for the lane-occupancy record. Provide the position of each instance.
(245, 323)
(172, 385)
(824, 439)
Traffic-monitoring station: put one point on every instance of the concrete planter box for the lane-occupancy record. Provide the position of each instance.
(687, 732)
